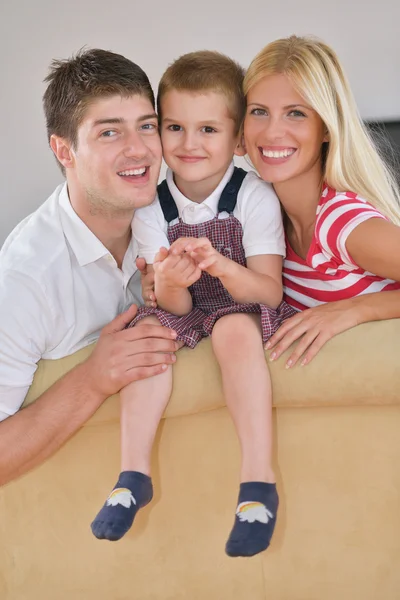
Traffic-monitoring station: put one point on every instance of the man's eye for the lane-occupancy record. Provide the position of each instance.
(108, 133)
(207, 129)
(174, 128)
(149, 126)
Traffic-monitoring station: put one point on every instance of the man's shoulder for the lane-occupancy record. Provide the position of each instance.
(36, 241)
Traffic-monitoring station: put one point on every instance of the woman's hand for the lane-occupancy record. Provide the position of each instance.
(313, 328)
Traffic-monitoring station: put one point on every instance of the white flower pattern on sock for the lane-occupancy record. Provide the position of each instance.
(253, 511)
(121, 496)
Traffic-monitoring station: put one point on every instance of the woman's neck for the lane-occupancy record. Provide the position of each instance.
(299, 198)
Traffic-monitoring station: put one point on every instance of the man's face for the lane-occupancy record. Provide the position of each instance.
(116, 162)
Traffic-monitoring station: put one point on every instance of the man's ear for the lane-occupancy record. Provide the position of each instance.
(240, 149)
(62, 150)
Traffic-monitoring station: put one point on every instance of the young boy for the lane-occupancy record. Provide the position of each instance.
(214, 238)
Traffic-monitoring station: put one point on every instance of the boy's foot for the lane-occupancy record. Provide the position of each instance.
(255, 519)
(133, 491)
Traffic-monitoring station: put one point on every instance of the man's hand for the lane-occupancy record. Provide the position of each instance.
(125, 355)
(147, 281)
(315, 326)
(175, 270)
(203, 254)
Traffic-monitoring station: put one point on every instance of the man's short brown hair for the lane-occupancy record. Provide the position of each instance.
(76, 82)
(206, 71)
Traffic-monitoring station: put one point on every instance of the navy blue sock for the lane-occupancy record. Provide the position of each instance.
(132, 491)
(255, 519)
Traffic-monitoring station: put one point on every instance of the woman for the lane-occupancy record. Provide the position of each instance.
(341, 209)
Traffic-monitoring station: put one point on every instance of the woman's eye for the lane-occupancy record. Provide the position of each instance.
(174, 128)
(207, 129)
(258, 112)
(296, 113)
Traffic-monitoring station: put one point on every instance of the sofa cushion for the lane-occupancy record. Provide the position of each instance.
(358, 367)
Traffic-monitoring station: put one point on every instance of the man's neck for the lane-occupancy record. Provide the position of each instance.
(113, 229)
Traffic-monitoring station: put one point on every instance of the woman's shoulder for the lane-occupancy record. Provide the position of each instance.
(336, 209)
(338, 214)
(341, 202)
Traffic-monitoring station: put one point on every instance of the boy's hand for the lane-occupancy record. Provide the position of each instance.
(175, 271)
(147, 281)
(204, 254)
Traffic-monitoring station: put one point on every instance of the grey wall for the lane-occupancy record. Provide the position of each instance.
(365, 33)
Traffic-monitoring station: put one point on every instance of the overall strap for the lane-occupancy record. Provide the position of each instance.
(167, 202)
(228, 199)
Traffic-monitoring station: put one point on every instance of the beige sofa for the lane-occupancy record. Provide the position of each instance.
(337, 457)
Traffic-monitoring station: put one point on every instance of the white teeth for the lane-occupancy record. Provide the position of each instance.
(133, 172)
(278, 154)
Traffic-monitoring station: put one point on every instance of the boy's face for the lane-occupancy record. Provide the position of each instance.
(198, 139)
(116, 162)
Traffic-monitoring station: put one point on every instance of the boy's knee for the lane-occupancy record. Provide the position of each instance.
(238, 328)
(150, 320)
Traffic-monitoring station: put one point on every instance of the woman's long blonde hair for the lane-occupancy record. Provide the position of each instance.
(352, 161)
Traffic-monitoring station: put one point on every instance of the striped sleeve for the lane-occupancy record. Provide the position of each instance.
(337, 218)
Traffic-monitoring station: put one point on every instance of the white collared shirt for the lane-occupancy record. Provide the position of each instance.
(59, 286)
(257, 209)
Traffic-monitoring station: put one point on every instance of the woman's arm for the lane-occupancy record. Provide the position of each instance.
(374, 245)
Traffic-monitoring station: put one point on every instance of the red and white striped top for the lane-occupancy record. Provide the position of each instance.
(329, 273)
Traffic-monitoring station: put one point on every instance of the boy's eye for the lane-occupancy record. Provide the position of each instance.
(208, 129)
(296, 113)
(174, 128)
(258, 112)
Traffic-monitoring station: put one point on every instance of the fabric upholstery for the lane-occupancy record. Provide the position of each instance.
(337, 448)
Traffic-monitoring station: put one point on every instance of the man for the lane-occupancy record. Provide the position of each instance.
(67, 272)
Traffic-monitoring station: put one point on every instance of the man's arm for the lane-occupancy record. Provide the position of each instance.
(121, 356)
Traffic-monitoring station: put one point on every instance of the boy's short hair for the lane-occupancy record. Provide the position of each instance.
(207, 71)
(76, 82)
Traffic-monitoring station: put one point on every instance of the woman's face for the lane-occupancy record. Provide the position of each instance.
(283, 135)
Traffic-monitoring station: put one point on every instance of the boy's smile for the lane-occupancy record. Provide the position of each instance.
(199, 140)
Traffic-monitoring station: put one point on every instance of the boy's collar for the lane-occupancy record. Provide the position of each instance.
(211, 202)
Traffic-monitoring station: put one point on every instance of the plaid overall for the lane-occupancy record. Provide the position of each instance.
(211, 300)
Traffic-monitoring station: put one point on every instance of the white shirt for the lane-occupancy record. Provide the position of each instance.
(59, 286)
(257, 209)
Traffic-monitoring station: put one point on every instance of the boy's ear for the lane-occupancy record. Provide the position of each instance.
(240, 149)
(62, 150)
